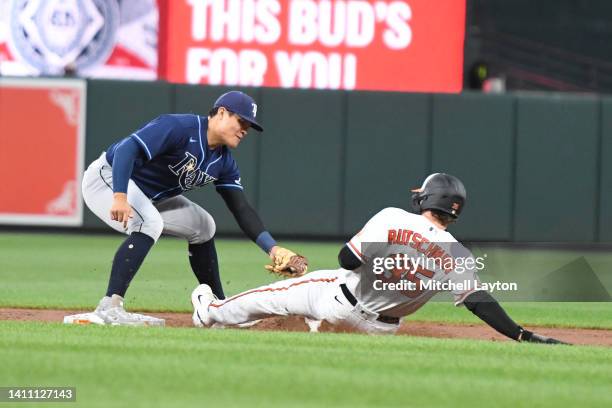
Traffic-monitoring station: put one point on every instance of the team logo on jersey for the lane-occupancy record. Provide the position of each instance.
(51, 34)
(189, 176)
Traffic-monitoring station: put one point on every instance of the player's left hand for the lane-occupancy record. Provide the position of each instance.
(287, 263)
(532, 337)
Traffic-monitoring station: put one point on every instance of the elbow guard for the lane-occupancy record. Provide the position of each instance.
(347, 259)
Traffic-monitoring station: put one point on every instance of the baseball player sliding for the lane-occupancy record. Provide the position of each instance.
(353, 295)
(135, 187)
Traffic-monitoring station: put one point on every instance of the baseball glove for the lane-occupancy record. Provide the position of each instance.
(288, 264)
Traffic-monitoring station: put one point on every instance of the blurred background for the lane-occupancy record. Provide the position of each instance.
(360, 101)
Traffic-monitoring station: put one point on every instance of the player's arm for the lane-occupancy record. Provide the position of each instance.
(248, 219)
(350, 256)
(483, 305)
(144, 144)
(123, 164)
(285, 262)
(347, 259)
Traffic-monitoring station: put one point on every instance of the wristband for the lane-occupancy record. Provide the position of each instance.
(265, 241)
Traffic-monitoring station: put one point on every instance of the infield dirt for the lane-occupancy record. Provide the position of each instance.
(591, 337)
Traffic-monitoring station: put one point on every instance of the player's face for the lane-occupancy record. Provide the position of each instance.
(232, 128)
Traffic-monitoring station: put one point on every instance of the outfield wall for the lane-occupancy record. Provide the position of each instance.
(534, 165)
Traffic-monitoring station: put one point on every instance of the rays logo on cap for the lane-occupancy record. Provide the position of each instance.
(51, 34)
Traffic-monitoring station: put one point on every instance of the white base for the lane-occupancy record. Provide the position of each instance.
(93, 318)
(313, 325)
(83, 318)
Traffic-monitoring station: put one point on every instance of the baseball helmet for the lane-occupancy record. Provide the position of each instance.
(442, 192)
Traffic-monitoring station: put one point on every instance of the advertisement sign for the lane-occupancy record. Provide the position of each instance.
(91, 38)
(42, 137)
(387, 45)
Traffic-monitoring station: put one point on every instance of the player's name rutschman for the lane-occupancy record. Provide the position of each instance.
(467, 285)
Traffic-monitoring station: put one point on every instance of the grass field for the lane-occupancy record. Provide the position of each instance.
(186, 367)
(71, 271)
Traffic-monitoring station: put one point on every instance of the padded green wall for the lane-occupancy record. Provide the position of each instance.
(605, 160)
(386, 152)
(300, 184)
(536, 167)
(556, 174)
(477, 147)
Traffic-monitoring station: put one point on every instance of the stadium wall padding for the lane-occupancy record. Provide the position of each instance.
(535, 165)
(387, 147)
(300, 180)
(604, 232)
(478, 149)
(556, 169)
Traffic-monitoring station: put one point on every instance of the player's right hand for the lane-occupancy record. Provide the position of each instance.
(121, 210)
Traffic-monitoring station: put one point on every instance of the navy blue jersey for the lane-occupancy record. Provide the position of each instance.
(177, 157)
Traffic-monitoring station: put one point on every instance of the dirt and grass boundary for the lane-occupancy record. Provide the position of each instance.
(578, 336)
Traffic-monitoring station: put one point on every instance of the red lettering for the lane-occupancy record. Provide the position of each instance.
(434, 251)
(406, 236)
(391, 236)
(423, 242)
(416, 241)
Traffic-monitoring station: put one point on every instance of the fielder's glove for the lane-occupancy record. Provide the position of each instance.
(287, 263)
(532, 337)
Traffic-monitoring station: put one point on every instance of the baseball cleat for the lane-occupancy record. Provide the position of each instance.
(111, 311)
(200, 299)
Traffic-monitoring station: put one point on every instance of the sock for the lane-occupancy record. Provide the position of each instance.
(128, 259)
(203, 261)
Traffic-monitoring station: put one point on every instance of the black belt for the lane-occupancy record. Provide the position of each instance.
(353, 301)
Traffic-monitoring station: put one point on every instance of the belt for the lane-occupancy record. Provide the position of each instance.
(353, 301)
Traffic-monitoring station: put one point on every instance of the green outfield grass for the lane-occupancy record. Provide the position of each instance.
(135, 367)
(172, 367)
(71, 271)
(596, 315)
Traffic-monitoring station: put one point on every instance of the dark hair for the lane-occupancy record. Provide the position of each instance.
(213, 111)
(444, 218)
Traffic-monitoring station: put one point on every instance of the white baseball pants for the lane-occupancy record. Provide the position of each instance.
(316, 295)
(175, 216)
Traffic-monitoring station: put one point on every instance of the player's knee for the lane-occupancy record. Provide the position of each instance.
(152, 226)
(204, 228)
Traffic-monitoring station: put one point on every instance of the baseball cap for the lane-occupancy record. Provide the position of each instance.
(242, 105)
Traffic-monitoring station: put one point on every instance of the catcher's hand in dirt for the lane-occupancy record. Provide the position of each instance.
(287, 263)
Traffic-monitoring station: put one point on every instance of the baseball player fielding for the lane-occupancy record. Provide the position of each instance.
(136, 188)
